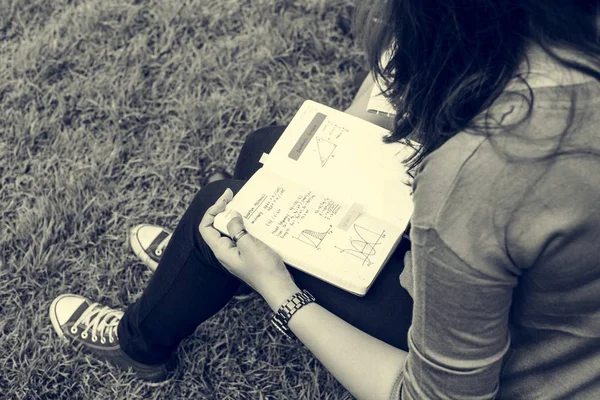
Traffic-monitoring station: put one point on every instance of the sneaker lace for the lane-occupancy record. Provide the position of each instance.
(101, 321)
(162, 245)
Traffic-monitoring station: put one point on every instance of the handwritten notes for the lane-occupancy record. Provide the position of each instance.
(281, 214)
(279, 208)
(328, 208)
(331, 130)
(293, 215)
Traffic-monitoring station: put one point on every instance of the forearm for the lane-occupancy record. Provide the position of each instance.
(366, 366)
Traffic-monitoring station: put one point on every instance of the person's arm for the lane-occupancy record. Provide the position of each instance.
(462, 285)
(367, 367)
(457, 341)
(459, 333)
(358, 108)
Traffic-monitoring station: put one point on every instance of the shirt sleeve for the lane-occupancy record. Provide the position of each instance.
(459, 333)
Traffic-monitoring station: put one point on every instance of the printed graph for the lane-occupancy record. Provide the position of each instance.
(325, 149)
(313, 238)
(364, 247)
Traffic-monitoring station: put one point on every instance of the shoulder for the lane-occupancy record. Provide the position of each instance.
(437, 175)
(458, 194)
(470, 161)
(480, 193)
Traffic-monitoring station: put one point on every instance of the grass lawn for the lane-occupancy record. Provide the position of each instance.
(109, 109)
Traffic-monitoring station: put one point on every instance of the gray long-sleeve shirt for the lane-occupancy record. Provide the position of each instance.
(505, 262)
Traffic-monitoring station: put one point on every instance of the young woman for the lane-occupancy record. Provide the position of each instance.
(503, 269)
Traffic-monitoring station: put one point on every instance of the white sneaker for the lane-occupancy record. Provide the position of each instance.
(93, 327)
(148, 242)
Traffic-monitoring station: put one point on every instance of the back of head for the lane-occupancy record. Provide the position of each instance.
(451, 59)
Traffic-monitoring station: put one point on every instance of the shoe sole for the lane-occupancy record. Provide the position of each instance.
(139, 251)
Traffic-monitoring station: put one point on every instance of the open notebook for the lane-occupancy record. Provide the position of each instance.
(330, 197)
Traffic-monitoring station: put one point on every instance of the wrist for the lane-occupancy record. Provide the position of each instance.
(277, 292)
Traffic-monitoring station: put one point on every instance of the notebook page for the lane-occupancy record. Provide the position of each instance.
(302, 225)
(343, 156)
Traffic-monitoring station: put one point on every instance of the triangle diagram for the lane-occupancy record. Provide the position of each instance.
(325, 149)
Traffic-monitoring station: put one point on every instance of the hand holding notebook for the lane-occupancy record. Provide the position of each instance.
(330, 197)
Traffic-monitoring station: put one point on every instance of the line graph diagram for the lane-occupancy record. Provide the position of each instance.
(325, 149)
(313, 238)
(364, 248)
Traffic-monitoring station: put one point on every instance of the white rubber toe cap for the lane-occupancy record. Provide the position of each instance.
(62, 308)
(145, 234)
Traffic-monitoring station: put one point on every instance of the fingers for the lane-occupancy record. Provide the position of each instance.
(210, 234)
(219, 206)
(221, 202)
(235, 225)
(224, 246)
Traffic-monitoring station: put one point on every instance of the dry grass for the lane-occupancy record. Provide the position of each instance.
(108, 111)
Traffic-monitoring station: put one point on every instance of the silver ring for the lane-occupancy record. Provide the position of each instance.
(238, 235)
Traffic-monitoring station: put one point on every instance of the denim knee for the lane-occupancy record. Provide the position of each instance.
(260, 141)
(261, 133)
(256, 140)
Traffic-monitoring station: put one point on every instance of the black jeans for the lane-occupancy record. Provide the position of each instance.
(190, 285)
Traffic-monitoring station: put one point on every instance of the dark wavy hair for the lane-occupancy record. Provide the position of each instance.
(451, 60)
